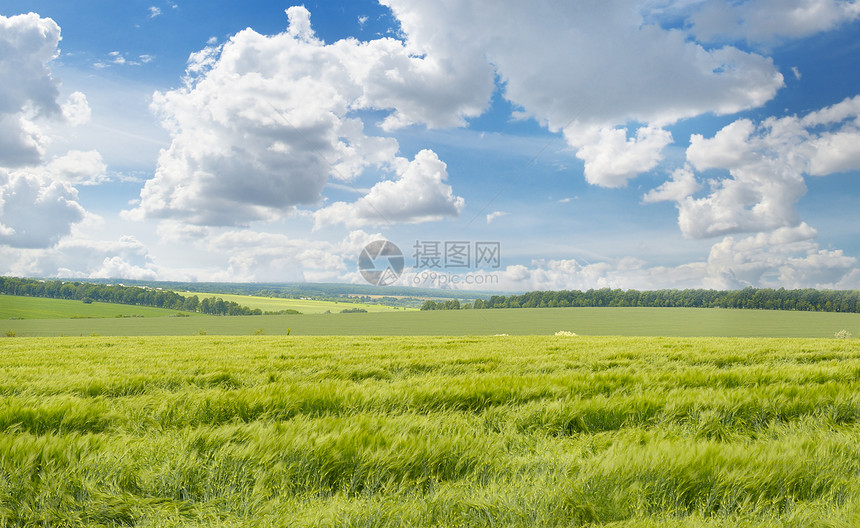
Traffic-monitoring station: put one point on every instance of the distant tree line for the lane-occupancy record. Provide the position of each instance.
(337, 292)
(811, 300)
(119, 294)
(452, 304)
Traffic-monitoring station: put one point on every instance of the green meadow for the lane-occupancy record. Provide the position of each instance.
(520, 431)
(305, 306)
(681, 322)
(16, 307)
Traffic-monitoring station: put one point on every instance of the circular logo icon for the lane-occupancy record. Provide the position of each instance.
(381, 263)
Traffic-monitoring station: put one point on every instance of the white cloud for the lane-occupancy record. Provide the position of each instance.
(730, 147)
(845, 110)
(496, 214)
(682, 184)
(28, 92)
(117, 268)
(35, 212)
(438, 91)
(78, 167)
(580, 67)
(766, 164)
(796, 71)
(259, 256)
(787, 257)
(154, 11)
(21, 141)
(419, 194)
(835, 150)
(38, 202)
(39, 205)
(768, 21)
(77, 110)
(264, 122)
(83, 257)
(611, 158)
(117, 58)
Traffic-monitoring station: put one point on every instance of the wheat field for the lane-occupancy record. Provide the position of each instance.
(429, 431)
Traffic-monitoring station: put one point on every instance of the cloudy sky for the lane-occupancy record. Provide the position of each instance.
(632, 144)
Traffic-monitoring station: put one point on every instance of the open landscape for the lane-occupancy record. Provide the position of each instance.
(429, 431)
(624, 417)
(681, 322)
(305, 306)
(422, 264)
(17, 307)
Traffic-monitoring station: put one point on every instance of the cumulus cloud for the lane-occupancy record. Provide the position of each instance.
(587, 69)
(28, 43)
(419, 194)
(35, 211)
(259, 256)
(766, 165)
(82, 257)
(682, 184)
(78, 167)
(77, 110)
(768, 21)
(269, 256)
(787, 257)
(836, 150)
(21, 141)
(117, 268)
(38, 200)
(656, 76)
(611, 158)
(264, 122)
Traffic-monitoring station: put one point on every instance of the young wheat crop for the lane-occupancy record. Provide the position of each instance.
(520, 431)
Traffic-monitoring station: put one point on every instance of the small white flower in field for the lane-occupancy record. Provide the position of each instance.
(842, 334)
(565, 333)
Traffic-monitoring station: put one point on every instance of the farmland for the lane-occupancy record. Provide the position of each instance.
(16, 307)
(681, 322)
(306, 306)
(429, 431)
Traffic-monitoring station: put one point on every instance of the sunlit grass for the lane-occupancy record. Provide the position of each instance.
(305, 306)
(438, 431)
(17, 307)
(681, 322)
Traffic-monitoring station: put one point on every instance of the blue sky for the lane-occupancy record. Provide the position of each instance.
(638, 144)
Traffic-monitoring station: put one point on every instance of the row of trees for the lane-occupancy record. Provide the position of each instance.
(116, 293)
(452, 304)
(748, 298)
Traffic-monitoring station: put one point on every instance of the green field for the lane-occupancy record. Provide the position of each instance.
(15, 307)
(306, 306)
(429, 431)
(682, 322)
